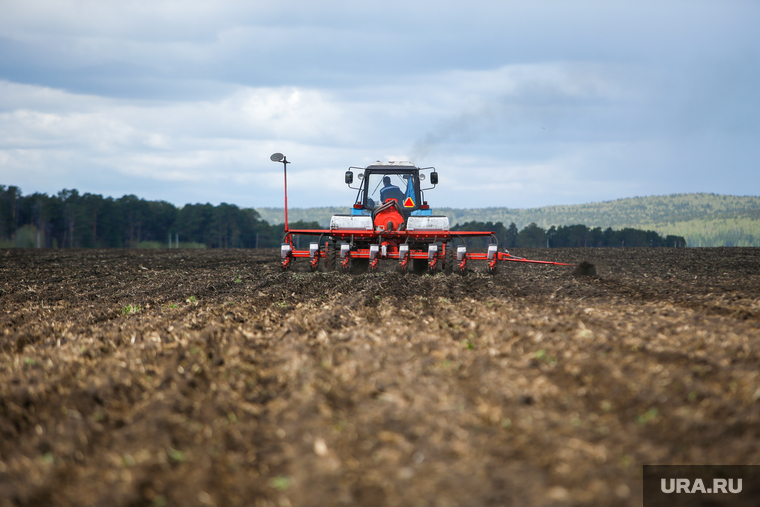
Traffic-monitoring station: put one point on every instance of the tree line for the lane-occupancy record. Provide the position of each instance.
(629, 212)
(73, 220)
(567, 236)
(704, 220)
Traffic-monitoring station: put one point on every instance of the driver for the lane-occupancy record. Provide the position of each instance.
(389, 191)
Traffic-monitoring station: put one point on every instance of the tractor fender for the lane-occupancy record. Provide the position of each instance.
(350, 222)
(431, 223)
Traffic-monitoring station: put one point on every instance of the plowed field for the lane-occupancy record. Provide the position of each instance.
(180, 378)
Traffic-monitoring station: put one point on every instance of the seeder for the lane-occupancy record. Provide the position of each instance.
(391, 221)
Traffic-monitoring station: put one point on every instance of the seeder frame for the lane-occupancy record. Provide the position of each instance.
(401, 246)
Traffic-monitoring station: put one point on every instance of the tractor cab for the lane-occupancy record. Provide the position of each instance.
(384, 182)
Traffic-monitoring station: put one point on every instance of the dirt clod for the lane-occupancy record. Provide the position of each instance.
(585, 268)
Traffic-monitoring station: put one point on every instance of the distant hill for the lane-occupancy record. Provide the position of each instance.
(703, 219)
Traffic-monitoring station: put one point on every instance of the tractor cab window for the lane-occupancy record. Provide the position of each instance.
(381, 187)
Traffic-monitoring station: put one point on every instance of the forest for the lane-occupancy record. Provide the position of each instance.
(73, 220)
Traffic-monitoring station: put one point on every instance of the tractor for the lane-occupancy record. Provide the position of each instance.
(390, 220)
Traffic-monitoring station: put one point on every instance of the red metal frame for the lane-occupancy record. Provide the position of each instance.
(388, 247)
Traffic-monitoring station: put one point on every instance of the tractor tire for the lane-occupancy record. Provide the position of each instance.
(331, 259)
(449, 259)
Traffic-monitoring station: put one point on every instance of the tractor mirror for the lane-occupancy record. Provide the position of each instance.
(434, 178)
(349, 177)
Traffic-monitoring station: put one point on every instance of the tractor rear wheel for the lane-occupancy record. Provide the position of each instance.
(331, 258)
(449, 259)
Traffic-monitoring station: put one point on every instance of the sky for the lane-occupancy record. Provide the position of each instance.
(516, 103)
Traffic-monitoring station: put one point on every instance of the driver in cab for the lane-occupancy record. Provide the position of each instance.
(390, 191)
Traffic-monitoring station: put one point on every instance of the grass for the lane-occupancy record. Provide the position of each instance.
(649, 415)
(130, 309)
(175, 455)
(280, 483)
(150, 245)
(155, 245)
(542, 356)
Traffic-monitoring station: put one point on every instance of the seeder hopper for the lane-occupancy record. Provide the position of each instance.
(391, 221)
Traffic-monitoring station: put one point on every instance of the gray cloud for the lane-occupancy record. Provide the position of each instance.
(557, 101)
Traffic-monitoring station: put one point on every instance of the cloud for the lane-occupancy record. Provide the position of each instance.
(109, 48)
(516, 102)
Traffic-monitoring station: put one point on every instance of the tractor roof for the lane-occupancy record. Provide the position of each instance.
(392, 165)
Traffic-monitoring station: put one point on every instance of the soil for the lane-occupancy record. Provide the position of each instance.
(179, 377)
